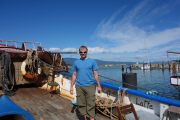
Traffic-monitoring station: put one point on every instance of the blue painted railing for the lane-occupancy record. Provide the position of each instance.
(164, 100)
(143, 94)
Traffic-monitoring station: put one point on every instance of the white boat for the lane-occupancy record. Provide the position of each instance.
(175, 71)
(147, 106)
(145, 67)
(113, 102)
(175, 80)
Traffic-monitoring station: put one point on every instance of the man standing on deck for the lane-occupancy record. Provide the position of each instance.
(86, 77)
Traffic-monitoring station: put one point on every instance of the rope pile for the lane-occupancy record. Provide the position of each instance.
(7, 79)
(107, 106)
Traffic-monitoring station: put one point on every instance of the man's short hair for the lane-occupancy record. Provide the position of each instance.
(82, 46)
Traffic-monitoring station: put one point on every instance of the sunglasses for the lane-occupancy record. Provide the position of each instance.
(82, 52)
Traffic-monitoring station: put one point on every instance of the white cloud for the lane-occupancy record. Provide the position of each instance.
(90, 50)
(54, 49)
(137, 32)
(144, 40)
(130, 33)
(97, 50)
(69, 50)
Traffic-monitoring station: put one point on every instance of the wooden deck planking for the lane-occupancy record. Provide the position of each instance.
(43, 106)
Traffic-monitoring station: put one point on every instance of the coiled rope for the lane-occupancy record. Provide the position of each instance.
(6, 78)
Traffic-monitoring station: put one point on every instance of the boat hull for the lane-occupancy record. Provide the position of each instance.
(152, 106)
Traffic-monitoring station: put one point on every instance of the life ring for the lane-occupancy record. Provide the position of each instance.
(28, 75)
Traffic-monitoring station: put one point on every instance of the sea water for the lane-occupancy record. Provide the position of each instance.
(147, 80)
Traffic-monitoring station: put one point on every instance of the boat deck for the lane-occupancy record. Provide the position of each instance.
(43, 106)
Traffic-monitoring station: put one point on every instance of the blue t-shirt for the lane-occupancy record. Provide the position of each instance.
(84, 69)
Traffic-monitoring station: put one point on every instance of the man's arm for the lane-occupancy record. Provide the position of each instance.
(97, 81)
(73, 78)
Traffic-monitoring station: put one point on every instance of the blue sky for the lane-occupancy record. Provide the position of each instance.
(118, 30)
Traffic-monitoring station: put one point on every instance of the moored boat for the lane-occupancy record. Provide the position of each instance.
(175, 71)
(147, 106)
(22, 65)
(48, 103)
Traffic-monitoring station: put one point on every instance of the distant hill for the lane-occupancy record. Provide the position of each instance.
(112, 62)
(70, 61)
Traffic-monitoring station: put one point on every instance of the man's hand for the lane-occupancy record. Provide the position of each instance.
(99, 89)
(71, 90)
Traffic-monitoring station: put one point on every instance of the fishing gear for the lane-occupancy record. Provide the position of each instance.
(6, 78)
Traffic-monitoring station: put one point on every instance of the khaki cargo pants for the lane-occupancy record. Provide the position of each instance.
(86, 100)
